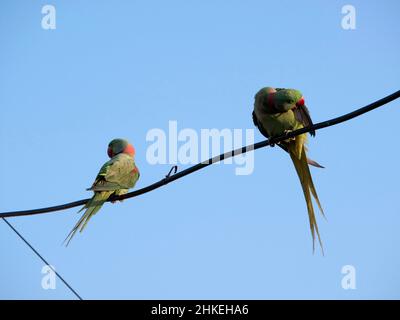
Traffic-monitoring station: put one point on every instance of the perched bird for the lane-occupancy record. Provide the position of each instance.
(116, 177)
(278, 111)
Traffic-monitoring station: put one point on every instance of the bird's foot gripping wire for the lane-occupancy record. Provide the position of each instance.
(287, 132)
(113, 199)
(272, 141)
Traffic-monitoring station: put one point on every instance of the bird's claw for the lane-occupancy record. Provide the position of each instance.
(287, 132)
(272, 142)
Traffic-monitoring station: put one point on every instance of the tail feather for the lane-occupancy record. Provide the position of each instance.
(92, 207)
(314, 163)
(315, 195)
(311, 162)
(299, 159)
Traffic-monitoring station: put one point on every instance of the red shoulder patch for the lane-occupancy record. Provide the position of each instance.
(135, 170)
(300, 102)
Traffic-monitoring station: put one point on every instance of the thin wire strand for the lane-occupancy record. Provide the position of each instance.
(43, 259)
(176, 176)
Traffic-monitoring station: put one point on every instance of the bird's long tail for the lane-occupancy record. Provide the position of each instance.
(298, 154)
(92, 207)
(311, 162)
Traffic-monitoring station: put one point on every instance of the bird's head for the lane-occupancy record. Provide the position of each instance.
(118, 146)
(264, 95)
(269, 90)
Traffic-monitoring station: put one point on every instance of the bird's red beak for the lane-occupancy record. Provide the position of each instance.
(129, 150)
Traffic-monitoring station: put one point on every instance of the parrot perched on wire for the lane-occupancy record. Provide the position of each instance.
(116, 177)
(278, 111)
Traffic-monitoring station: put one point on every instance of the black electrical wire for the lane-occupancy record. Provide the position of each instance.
(172, 177)
(43, 259)
(175, 176)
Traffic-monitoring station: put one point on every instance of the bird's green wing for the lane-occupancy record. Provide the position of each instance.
(115, 174)
(259, 125)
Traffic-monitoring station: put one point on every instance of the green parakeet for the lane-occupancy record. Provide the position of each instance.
(277, 111)
(116, 177)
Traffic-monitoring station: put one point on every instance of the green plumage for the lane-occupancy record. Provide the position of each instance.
(286, 99)
(281, 110)
(120, 172)
(115, 177)
(280, 113)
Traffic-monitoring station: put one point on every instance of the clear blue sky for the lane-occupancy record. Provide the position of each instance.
(120, 68)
